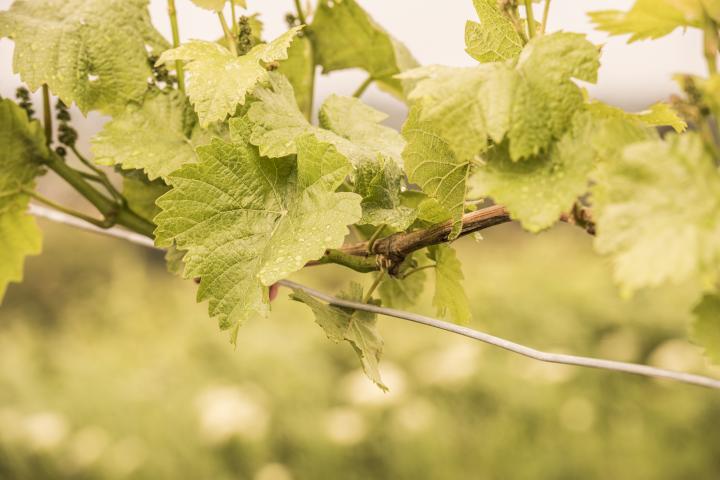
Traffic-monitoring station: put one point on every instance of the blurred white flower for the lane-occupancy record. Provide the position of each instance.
(127, 455)
(230, 411)
(345, 426)
(450, 366)
(273, 471)
(415, 416)
(677, 355)
(546, 372)
(361, 391)
(87, 445)
(577, 414)
(45, 430)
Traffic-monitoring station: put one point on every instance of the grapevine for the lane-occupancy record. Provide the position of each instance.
(222, 165)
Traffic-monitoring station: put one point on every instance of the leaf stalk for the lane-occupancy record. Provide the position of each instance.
(172, 13)
(105, 223)
(303, 20)
(300, 12)
(546, 16)
(530, 17)
(363, 87)
(418, 269)
(233, 17)
(229, 37)
(47, 112)
(376, 283)
(121, 214)
(102, 178)
(376, 234)
(711, 42)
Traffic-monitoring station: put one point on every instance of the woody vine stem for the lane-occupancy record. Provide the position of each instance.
(234, 169)
(505, 344)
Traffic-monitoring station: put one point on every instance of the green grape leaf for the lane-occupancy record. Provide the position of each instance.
(712, 8)
(431, 164)
(152, 136)
(256, 27)
(530, 104)
(613, 134)
(706, 327)
(450, 298)
(403, 293)
(20, 237)
(299, 69)
(356, 327)
(536, 192)
(380, 184)
(546, 99)
(429, 211)
(494, 39)
(345, 36)
(709, 89)
(216, 5)
(405, 61)
(278, 123)
(449, 99)
(247, 222)
(174, 260)
(218, 80)
(91, 52)
(497, 98)
(651, 19)
(658, 115)
(23, 145)
(657, 210)
(361, 125)
(277, 120)
(23, 148)
(142, 194)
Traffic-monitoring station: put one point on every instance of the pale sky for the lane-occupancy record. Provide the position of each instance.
(631, 76)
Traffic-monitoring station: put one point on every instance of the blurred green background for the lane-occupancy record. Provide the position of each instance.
(109, 370)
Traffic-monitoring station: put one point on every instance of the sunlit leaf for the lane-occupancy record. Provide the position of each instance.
(247, 222)
(92, 52)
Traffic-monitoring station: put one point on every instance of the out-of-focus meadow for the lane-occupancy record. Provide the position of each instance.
(110, 370)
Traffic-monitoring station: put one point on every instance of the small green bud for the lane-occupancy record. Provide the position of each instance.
(63, 113)
(245, 40)
(22, 93)
(25, 102)
(67, 135)
(291, 20)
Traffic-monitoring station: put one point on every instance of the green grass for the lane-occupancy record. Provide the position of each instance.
(111, 370)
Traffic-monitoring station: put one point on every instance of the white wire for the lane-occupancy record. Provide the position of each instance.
(511, 346)
(59, 217)
(520, 349)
